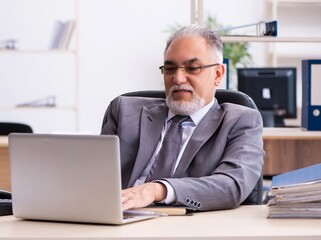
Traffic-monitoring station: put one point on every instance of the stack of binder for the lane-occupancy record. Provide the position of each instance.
(296, 194)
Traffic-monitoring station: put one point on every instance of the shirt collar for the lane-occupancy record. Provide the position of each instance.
(196, 116)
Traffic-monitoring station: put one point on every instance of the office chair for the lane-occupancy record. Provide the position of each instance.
(222, 95)
(8, 127)
(5, 129)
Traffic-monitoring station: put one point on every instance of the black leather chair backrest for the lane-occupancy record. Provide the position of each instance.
(222, 96)
(9, 127)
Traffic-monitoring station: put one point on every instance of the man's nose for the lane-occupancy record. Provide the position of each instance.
(180, 76)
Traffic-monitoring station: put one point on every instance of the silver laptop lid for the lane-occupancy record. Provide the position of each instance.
(66, 177)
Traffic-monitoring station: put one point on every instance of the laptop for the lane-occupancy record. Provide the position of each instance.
(70, 178)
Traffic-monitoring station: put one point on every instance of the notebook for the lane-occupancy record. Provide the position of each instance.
(72, 178)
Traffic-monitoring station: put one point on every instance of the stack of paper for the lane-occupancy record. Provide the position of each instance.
(297, 194)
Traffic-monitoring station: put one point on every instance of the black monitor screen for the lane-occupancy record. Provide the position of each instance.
(273, 90)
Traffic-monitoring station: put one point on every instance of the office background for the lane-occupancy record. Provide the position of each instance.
(117, 48)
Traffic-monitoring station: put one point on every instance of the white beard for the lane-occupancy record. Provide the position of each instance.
(184, 107)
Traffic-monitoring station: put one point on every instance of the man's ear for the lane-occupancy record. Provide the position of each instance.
(219, 73)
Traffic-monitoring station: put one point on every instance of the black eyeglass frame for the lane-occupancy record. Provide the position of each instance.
(184, 68)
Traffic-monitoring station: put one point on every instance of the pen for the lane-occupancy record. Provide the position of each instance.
(142, 212)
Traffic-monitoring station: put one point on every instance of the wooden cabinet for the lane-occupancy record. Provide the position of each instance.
(288, 149)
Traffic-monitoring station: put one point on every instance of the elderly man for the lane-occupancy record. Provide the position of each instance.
(218, 157)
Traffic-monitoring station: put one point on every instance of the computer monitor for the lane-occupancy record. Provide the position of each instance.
(273, 90)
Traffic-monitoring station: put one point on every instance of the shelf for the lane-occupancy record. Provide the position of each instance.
(37, 51)
(11, 108)
(296, 1)
(285, 50)
(227, 39)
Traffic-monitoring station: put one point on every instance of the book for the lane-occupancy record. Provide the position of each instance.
(296, 194)
(67, 33)
(299, 176)
(56, 34)
(62, 34)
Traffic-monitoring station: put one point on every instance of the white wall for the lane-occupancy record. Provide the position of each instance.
(122, 44)
(120, 48)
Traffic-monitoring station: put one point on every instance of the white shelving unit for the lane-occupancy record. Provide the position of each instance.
(296, 18)
(299, 37)
(271, 39)
(33, 71)
(288, 46)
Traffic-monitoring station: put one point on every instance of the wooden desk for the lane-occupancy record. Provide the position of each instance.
(246, 222)
(4, 164)
(286, 149)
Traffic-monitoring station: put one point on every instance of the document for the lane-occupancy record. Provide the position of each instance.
(296, 194)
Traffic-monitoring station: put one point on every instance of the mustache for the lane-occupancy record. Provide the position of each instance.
(181, 88)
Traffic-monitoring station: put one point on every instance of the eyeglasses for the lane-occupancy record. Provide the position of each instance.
(188, 68)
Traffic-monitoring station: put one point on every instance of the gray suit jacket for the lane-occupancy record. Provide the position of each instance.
(221, 163)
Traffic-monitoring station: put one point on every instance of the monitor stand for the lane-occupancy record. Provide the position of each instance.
(270, 120)
(279, 121)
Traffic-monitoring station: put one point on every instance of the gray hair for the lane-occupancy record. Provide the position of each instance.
(211, 37)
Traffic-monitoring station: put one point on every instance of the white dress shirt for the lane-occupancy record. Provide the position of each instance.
(188, 129)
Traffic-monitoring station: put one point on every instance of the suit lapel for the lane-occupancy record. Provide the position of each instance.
(202, 133)
(152, 122)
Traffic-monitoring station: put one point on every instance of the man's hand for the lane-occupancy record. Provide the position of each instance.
(143, 195)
